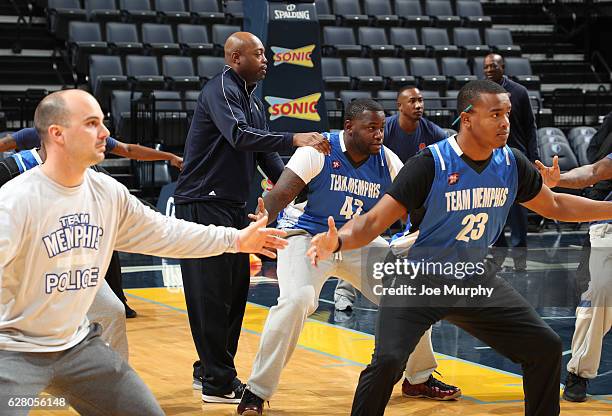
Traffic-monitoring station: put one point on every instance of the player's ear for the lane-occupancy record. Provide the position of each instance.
(348, 126)
(55, 133)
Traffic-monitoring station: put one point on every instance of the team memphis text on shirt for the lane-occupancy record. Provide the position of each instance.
(467, 199)
(354, 186)
(75, 232)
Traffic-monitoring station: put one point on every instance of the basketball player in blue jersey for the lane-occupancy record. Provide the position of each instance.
(594, 312)
(462, 189)
(406, 133)
(28, 138)
(345, 184)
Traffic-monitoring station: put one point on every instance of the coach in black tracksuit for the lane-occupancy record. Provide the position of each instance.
(227, 138)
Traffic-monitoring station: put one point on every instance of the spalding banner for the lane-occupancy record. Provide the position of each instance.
(293, 87)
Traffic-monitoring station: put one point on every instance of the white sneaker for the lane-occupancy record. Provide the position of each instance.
(343, 303)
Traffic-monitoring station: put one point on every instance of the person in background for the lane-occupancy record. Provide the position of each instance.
(523, 136)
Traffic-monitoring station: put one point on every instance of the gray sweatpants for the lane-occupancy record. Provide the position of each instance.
(300, 285)
(109, 312)
(594, 315)
(91, 376)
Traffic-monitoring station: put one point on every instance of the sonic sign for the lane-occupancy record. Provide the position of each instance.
(303, 108)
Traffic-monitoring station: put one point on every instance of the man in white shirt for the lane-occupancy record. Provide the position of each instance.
(59, 224)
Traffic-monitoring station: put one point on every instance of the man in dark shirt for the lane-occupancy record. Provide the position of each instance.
(408, 131)
(436, 183)
(227, 138)
(523, 137)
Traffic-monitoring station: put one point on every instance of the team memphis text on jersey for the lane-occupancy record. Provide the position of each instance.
(75, 232)
(465, 210)
(341, 189)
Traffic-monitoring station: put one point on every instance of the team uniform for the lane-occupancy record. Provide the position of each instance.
(338, 188)
(55, 246)
(106, 309)
(459, 207)
(404, 145)
(594, 313)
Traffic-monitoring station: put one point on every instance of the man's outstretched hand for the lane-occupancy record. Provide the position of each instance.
(257, 239)
(323, 245)
(550, 175)
(260, 212)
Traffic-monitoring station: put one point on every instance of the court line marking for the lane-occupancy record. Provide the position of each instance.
(367, 336)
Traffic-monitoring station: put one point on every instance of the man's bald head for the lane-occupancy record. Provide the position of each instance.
(245, 53)
(53, 109)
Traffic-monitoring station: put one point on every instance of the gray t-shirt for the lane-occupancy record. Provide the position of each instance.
(55, 247)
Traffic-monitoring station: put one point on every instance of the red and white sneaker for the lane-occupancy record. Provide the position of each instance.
(432, 389)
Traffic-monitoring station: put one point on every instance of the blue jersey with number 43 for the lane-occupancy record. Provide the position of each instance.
(343, 190)
(465, 210)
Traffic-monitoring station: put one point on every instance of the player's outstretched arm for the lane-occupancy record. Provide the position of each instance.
(358, 232)
(257, 239)
(287, 188)
(137, 152)
(570, 208)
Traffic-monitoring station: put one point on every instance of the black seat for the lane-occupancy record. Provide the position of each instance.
(442, 13)
(143, 72)
(501, 41)
(123, 38)
(84, 39)
(220, 33)
(374, 40)
(191, 100)
(363, 73)
(469, 42)
(324, 14)
(194, 40)
(209, 66)
(102, 11)
(394, 71)
(411, 14)
(234, 11)
(407, 41)
(138, 11)
(334, 77)
(340, 41)
(347, 96)
(206, 11)
(584, 131)
(170, 119)
(428, 74)
(520, 70)
(178, 71)
(471, 12)
(436, 39)
(121, 115)
(159, 40)
(381, 13)
(172, 11)
(61, 13)
(349, 12)
(567, 159)
(105, 75)
(388, 99)
(458, 71)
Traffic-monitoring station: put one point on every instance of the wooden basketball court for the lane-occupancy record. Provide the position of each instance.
(321, 376)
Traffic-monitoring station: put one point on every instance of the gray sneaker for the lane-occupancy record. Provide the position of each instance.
(343, 303)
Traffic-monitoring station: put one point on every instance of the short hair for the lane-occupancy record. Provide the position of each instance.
(407, 87)
(470, 92)
(492, 54)
(52, 109)
(358, 106)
